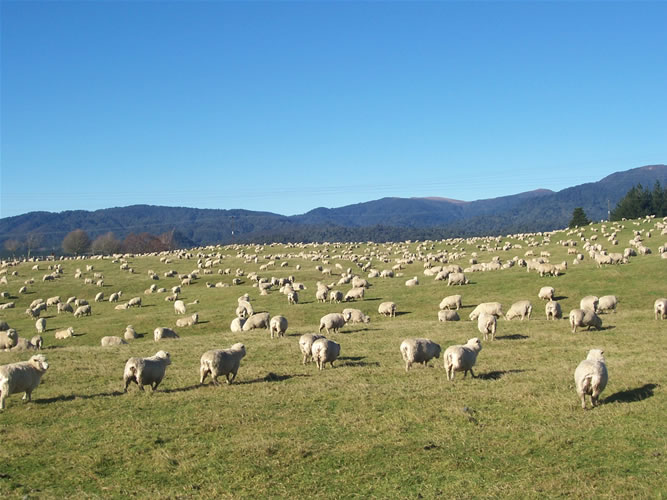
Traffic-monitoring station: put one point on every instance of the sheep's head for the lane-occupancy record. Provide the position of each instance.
(13, 334)
(475, 344)
(39, 362)
(164, 355)
(437, 351)
(596, 355)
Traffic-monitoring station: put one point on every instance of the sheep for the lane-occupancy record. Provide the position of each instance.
(221, 362)
(35, 343)
(244, 309)
(451, 302)
(111, 340)
(335, 296)
(447, 315)
(457, 279)
(64, 307)
(99, 297)
(486, 324)
(412, 282)
(387, 309)
(591, 377)
(522, 309)
(546, 293)
(40, 325)
(237, 325)
(355, 316)
(64, 334)
(164, 333)
(115, 296)
(418, 351)
(494, 308)
(589, 303)
(607, 303)
(8, 305)
(21, 377)
(581, 317)
(321, 294)
(8, 339)
(355, 293)
(293, 298)
(553, 310)
(192, 320)
(146, 371)
(660, 308)
(461, 358)
(257, 320)
(82, 311)
(333, 322)
(121, 307)
(130, 333)
(179, 307)
(325, 351)
(278, 325)
(306, 344)
(134, 302)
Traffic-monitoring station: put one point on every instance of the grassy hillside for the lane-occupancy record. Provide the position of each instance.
(365, 428)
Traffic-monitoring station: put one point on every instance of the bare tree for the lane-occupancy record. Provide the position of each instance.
(76, 242)
(12, 246)
(106, 244)
(32, 241)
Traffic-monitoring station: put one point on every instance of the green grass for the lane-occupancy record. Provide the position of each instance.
(365, 428)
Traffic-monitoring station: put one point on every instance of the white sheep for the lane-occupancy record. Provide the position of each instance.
(354, 316)
(553, 310)
(660, 308)
(146, 371)
(486, 324)
(355, 293)
(387, 309)
(278, 325)
(21, 377)
(130, 333)
(546, 293)
(589, 303)
(607, 303)
(64, 334)
(8, 339)
(335, 296)
(99, 297)
(494, 308)
(412, 282)
(115, 296)
(257, 320)
(333, 322)
(325, 351)
(219, 362)
(164, 333)
(111, 340)
(244, 309)
(521, 309)
(293, 298)
(306, 345)
(40, 325)
(457, 279)
(581, 317)
(591, 377)
(451, 302)
(84, 310)
(461, 358)
(64, 307)
(134, 302)
(237, 325)
(189, 321)
(35, 343)
(418, 351)
(447, 315)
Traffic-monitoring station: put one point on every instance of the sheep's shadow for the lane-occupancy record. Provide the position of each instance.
(371, 299)
(351, 358)
(632, 395)
(514, 336)
(202, 322)
(560, 297)
(271, 377)
(366, 330)
(358, 363)
(72, 397)
(402, 313)
(181, 389)
(497, 374)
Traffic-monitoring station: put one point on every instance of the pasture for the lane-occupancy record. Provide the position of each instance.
(365, 428)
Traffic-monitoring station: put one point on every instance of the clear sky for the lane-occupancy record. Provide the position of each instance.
(289, 106)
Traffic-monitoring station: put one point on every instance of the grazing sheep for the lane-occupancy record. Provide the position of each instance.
(8, 339)
(293, 298)
(486, 324)
(130, 333)
(99, 297)
(40, 325)
(21, 377)
(589, 303)
(355, 293)
(660, 309)
(64, 307)
(278, 325)
(111, 340)
(134, 302)
(325, 351)
(244, 309)
(257, 320)
(64, 334)
(546, 293)
(146, 371)
(461, 358)
(306, 345)
(333, 322)
(457, 279)
(387, 309)
(522, 309)
(607, 303)
(494, 308)
(115, 296)
(83, 311)
(355, 316)
(219, 362)
(591, 377)
(237, 325)
(418, 351)
(553, 310)
(192, 320)
(161, 333)
(335, 296)
(581, 317)
(451, 302)
(447, 315)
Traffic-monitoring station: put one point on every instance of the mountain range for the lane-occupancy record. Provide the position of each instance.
(378, 220)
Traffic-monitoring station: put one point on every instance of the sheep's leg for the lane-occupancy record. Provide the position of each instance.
(154, 386)
(230, 380)
(27, 396)
(202, 375)
(472, 374)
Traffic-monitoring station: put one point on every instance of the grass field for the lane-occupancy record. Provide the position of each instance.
(365, 428)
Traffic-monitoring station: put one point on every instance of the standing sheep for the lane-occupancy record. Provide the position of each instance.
(21, 377)
(257, 320)
(581, 317)
(134, 302)
(660, 309)
(589, 303)
(355, 293)
(40, 325)
(387, 309)
(335, 296)
(494, 308)
(418, 351)
(591, 377)
(146, 371)
(83, 311)
(221, 362)
(451, 302)
(278, 325)
(355, 316)
(179, 307)
(333, 322)
(546, 293)
(461, 358)
(325, 351)
(553, 310)
(306, 345)
(486, 324)
(457, 279)
(607, 303)
(522, 309)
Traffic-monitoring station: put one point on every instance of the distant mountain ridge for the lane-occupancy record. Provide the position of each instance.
(379, 220)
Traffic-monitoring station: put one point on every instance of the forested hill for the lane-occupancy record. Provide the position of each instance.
(379, 220)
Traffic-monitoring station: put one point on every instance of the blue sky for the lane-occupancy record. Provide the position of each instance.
(289, 106)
